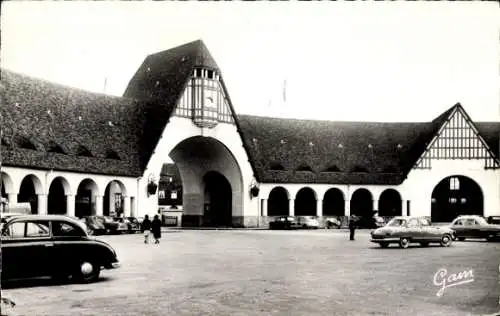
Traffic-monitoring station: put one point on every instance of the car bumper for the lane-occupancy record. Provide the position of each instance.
(379, 240)
(113, 265)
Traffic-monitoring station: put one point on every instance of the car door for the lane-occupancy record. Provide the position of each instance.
(473, 228)
(458, 227)
(68, 244)
(26, 247)
(413, 229)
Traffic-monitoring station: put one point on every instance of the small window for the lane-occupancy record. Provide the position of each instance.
(413, 222)
(55, 148)
(304, 168)
(454, 184)
(83, 151)
(14, 230)
(424, 222)
(37, 230)
(111, 154)
(25, 143)
(332, 168)
(458, 222)
(210, 74)
(277, 167)
(60, 229)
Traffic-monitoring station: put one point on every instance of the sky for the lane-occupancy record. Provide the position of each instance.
(354, 61)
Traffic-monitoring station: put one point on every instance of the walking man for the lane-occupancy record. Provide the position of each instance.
(145, 228)
(352, 227)
(156, 229)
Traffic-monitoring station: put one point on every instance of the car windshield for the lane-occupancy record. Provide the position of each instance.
(395, 222)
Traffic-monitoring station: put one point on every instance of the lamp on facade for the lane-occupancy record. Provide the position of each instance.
(152, 185)
(254, 189)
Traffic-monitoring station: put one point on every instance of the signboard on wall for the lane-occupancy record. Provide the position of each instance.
(173, 195)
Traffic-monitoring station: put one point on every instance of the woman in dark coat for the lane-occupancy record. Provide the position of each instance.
(156, 229)
(145, 228)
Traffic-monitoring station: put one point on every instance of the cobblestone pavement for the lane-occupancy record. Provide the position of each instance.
(272, 273)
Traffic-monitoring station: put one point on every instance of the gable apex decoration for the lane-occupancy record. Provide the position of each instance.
(457, 138)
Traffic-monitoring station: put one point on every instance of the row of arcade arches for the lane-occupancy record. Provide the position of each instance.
(86, 196)
(452, 196)
(361, 203)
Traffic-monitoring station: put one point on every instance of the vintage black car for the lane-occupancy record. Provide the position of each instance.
(474, 226)
(493, 220)
(52, 245)
(284, 222)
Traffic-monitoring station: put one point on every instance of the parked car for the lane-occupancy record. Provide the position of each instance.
(95, 226)
(493, 220)
(308, 222)
(284, 222)
(52, 245)
(332, 222)
(134, 224)
(474, 226)
(123, 225)
(404, 230)
(108, 222)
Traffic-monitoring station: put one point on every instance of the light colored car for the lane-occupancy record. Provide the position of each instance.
(474, 226)
(308, 222)
(404, 230)
(332, 222)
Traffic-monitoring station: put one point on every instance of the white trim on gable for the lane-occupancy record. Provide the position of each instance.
(457, 138)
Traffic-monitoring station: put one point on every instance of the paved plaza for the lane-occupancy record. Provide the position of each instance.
(244, 272)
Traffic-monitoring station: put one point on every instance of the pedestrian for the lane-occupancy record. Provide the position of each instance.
(145, 228)
(156, 229)
(352, 227)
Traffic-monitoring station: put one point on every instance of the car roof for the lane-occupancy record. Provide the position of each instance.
(45, 217)
(469, 216)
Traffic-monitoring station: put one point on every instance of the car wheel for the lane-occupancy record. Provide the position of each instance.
(304, 226)
(404, 242)
(461, 238)
(490, 238)
(445, 241)
(384, 244)
(87, 271)
(424, 244)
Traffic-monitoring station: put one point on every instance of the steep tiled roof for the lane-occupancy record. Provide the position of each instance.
(88, 127)
(50, 126)
(341, 152)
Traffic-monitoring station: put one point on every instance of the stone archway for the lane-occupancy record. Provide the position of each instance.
(456, 195)
(28, 192)
(390, 203)
(86, 198)
(217, 210)
(333, 203)
(195, 158)
(278, 203)
(113, 200)
(305, 202)
(7, 187)
(57, 198)
(362, 203)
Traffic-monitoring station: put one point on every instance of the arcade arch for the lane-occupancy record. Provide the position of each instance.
(305, 202)
(86, 198)
(113, 200)
(57, 199)
(30, 187)
(362, 203)
(278, 202)
(333, 203)
(390, 203)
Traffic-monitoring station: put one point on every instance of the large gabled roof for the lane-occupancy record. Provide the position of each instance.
(97, 133)
(342, 152)
(44, 116)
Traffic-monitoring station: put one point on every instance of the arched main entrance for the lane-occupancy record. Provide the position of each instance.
(210, 175)
(56, 201)
(218, 200)
(362, 203)
(305, 202)
(28, 192)
(333, 203)
(389, 203)
(278, 203)
(456, 195)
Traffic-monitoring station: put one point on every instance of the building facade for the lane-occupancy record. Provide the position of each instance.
(68, 151)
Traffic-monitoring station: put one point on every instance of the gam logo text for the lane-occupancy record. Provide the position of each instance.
(445, 280)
